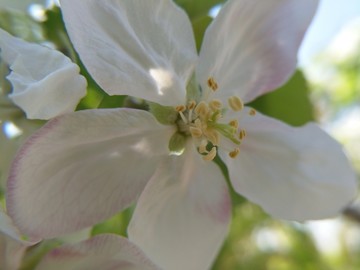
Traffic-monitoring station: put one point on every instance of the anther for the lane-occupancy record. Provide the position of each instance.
(195, 132)
(202, 109)
(235, 103)
(234, 123)
(202, 147)
(213, 136)
(212, 84)
(192, 104)
(242, 134)
(234, 153)
(211, 155)
(180, 108)
(252, 112)
(215, 104)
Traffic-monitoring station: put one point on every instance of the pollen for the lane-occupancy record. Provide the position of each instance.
(235, 103)
(234, 123)
(213, 136)
(202, 109)
(192, 104)
(211, 155)
(234, 153)
(212, 84)
(242, 134)
(180, 108)
(252, 112)
(215, 105)
(195, 132)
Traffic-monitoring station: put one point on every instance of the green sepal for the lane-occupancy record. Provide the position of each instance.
(166, 115)
(177, 143)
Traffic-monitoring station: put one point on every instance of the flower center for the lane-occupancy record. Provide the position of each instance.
(205, 123)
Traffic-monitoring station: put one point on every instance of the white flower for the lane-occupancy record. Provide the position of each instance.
(100, 252)
(85, 166)
(12, 247)
(45, 82)
(103, 252)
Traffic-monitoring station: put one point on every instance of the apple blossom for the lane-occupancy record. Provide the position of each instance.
(12, 246)
(83, 167)
(45, 82)
(104, 252)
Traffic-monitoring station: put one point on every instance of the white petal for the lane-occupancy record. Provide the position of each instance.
(251, 47)
(293, 173)
(139, 48)
(83, 167)
(45, 82)
(182, 216)
(105, 252)
(12, 247)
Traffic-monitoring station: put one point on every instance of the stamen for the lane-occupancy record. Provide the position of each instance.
(192, 104)
(202, 147)
(211, 155)
(234, 153)
(234, 123)
(202, 109)
(180, 108)
(183, 117)
(252, 112)
(215, 105)
(195, 132)
(235, 103)
(212, 84)
(242, 134)
(213, 136)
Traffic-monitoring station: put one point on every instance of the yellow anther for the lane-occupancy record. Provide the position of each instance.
(252, 112)
(235, 103)
(242, 134)
(212, 84)
(180, 108)
(192, 104)
(202, 147)
(195, 132)
(211, 155)
(215, 105)
(202, 109)
(213, 136)
(234, 123)
(197, 123)
(234, 153)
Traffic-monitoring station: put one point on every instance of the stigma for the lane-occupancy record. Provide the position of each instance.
(205, 123)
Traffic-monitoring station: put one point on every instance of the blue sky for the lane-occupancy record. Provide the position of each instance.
(331, 17)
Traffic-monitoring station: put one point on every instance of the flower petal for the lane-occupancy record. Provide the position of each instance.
(293, 173)
(12, 247)
(100, 252)
(45, 82)
(139, 48)
(82, 168)
(182, 216)
(251, 46)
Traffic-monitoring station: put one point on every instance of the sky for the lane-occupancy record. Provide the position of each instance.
(331, 17)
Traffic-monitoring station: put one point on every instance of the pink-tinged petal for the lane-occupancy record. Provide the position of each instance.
(105, 252)
(12, 246)
(82, 168)
(45, 82)
(293, 173)
(182, 216)
(251, 47)
(139, 48)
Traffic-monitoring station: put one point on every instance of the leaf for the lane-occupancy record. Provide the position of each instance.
(197, 8)
(290, 103)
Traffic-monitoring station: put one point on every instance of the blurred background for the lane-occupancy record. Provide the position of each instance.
(325, 89)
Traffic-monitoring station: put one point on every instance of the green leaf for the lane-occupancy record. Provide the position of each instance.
(200, 25)
(290, 103)
(197, 8)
